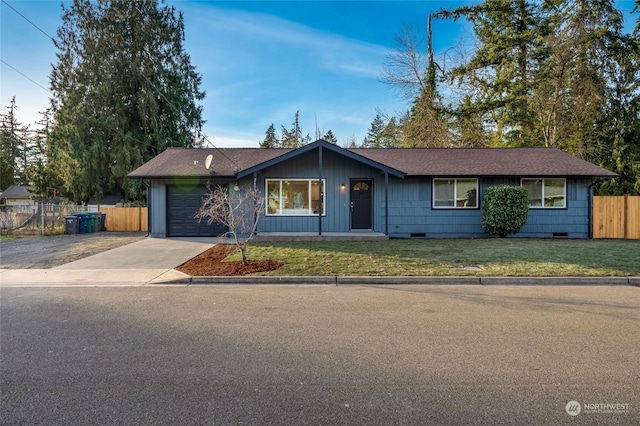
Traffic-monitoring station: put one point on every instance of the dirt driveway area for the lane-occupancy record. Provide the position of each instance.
(44, 252)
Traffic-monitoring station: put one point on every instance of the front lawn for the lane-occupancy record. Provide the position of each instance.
(453, 257)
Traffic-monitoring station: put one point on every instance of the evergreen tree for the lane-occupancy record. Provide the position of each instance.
(124, 90)
(330, 137)
(426, 125)
(373, 139)
(270, 139)
(393, 135)
(468, 128)
(15, 143)
(509, 34)
(292, 138)
(41, 173)
(7, 173)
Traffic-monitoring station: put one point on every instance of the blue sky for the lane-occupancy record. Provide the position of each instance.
(261, 61)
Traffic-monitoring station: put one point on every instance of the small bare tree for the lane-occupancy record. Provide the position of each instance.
(238, 208)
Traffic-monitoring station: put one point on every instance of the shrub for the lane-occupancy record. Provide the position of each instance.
(505, 209)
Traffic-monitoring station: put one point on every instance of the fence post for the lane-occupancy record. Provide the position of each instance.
(42, 217)
(625, 215)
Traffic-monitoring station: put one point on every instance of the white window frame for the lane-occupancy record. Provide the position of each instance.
(455, 193)
(542, 197)
(280, 200)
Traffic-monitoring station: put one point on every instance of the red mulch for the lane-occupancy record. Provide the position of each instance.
(210, 264)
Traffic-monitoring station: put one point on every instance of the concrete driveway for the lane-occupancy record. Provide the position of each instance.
(141, 262)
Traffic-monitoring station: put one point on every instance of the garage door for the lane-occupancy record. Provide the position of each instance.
(183, 203)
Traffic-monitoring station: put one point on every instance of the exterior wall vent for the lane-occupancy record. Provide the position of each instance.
(560, 235)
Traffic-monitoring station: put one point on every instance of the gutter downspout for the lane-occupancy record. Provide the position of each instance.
(148, 186)
(590, 207)
(320, 191)
(386, 203)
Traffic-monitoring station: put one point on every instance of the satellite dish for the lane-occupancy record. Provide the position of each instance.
(208, 161)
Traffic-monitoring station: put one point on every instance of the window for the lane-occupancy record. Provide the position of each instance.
(294, 197)
(545, 192)
(455, 193)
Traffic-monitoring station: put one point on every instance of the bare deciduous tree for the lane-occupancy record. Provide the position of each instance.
(236, 207)
(406, 64)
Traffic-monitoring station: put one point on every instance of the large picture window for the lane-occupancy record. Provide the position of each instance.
(550, 193)
(455, 193)
(294, 197)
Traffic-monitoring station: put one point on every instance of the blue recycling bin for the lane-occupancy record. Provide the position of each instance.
(103, 222)
(83, 222)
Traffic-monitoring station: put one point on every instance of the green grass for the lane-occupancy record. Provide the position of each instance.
(448, 257)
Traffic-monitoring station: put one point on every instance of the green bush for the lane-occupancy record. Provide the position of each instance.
(505, 209)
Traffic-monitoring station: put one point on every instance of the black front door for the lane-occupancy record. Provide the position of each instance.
(361, 203)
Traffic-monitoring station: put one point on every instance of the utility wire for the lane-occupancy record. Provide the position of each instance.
(27, 19)
(25, 76)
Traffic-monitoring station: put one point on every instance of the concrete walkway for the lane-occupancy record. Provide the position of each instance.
(152, 261)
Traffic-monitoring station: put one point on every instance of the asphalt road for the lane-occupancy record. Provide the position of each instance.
(281, 355)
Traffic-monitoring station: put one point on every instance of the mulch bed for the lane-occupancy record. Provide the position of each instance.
(210, 263)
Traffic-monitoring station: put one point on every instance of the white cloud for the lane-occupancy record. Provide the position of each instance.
(244, 34)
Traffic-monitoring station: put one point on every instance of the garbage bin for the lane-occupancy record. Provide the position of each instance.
(95, 218)
(83, 222)
(103, 222)
(72, 224)
(90, 223)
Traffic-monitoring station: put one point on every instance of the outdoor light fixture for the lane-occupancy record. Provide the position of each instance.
(342, 186)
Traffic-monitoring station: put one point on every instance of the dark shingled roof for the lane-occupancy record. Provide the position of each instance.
(452, 162)
(191, 162)
(17, 191)
(446, 162)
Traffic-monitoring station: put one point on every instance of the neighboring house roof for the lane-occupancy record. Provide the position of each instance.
(434, 162)
(108, 200)
(17, 191)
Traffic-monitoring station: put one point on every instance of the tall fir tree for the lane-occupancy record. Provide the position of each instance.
(292, 138)
(508, 33)
(15, 143)
(270, 139)
(330, 137)
(373, 139)
(123, 90)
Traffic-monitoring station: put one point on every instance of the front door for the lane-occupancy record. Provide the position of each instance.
(361, 201)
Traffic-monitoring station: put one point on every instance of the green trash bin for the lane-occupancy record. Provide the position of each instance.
(95, 217)
(90, 222)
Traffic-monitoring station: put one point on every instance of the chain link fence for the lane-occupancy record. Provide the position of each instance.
(45, 217)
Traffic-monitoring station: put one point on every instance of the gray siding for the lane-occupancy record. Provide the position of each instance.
(337, 170)
(410, 212)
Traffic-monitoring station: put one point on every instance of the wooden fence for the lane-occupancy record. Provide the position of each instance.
(120, 219)
(616, 217)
